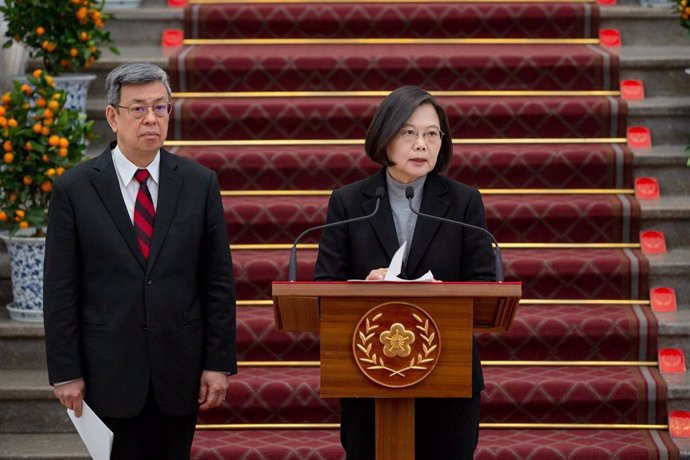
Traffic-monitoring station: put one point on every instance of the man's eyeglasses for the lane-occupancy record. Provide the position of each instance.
(431, 135)
(140, 110)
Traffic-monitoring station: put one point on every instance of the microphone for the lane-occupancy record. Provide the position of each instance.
(409, 194)
(292, 264)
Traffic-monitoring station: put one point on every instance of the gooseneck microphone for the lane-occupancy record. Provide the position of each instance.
(409, 194)
(292, 264)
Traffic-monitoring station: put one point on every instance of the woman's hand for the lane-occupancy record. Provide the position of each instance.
(377, 274)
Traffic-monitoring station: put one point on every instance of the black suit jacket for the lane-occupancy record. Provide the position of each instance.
(121, 323)
(451, 252)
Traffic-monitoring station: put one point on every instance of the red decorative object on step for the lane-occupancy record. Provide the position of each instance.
(610, 37)
(679, 423)
(639, 137)
(172, 38)
(663, 299)
(632, 90)
(177, 3)
(653, 242)
(606, 2)
(671, 361)
(647, 188)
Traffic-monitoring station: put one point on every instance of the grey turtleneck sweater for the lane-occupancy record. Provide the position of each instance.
(404, 219)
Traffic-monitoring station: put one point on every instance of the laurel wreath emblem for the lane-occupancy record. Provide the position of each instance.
(377, 363)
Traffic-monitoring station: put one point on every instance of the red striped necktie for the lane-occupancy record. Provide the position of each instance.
(144, 213)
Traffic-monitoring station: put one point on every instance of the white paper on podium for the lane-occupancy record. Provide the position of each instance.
(395, 268)
(96, 435)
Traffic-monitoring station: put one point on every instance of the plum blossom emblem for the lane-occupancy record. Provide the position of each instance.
(396, 344)
(397, 341)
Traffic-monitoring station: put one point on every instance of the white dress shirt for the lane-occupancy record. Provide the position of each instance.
(128, 184)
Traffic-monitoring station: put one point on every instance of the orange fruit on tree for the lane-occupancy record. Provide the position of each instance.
(28, 146)
(37, 73)
(37, 128)
(47, 113)
(46, 186)
(53, 105)
(73, 52)
(40, 102)
(27, 180)
(23, 224)
(12, 123)
(54, 140)
(60, 170)
(62, 153)
(50, 172)
(45, 131)
(45, 158)
(7, 146)
(13, 197)
(64, 142)
(19, 213)
(3, 111)
(40, 31)
(8, 158)
(3, 216)
(47, 122)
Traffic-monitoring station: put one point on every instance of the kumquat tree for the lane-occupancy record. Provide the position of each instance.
(65, 34)
(40, 140)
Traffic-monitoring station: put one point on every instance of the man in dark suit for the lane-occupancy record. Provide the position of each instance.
(139, 300)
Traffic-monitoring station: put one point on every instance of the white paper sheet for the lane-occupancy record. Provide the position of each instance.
(395, 268)
(96, 435)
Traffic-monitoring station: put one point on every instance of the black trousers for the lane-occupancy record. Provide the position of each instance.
(151, 435)
(445, 429)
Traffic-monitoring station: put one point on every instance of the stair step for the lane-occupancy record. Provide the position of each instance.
(539, 333)
(493, 444)
(642, 26)
(423, 20)
(520, 394)
(513, 394)
(672, 270)
(484, 166)
(381, 67)
(325, 445)
(511, 218)
(665, 162)
(666, 117)
(349, 117)
(43, 446)
(546, 273)
(669, 215)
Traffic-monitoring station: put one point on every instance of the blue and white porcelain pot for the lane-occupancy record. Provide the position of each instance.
(26, 268)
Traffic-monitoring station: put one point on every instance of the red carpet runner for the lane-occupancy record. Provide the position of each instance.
(548, 194)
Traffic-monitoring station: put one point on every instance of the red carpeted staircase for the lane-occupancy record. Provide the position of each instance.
(278, 103)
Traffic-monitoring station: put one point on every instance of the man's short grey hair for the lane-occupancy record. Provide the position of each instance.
(134, 73)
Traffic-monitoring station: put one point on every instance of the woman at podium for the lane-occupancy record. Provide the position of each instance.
(410, 138)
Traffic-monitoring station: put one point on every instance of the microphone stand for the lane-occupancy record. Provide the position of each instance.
(292, 263)
(409, 194)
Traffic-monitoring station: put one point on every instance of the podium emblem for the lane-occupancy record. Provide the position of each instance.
(396, 344)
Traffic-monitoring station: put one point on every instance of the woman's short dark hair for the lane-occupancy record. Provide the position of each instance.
(390, 117)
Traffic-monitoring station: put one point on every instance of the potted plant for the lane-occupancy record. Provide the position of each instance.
(684, 13)
(40, 139)
(65, 35)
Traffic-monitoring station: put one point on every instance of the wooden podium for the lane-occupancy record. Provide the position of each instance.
(395, 342)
